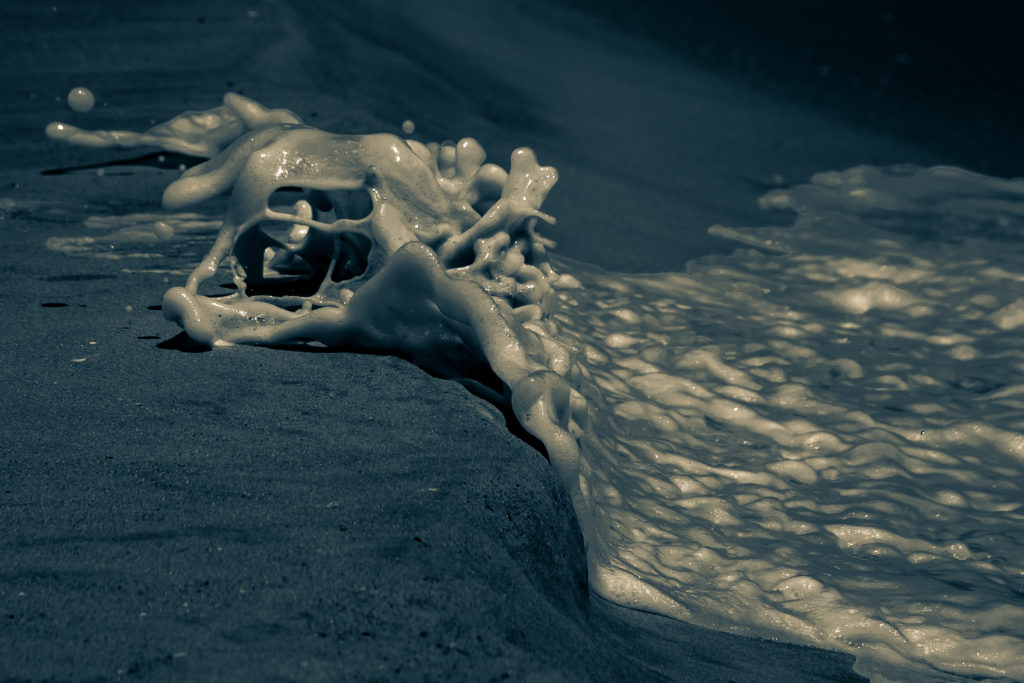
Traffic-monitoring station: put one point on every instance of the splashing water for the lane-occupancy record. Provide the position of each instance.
(418, 249)
(819, 438)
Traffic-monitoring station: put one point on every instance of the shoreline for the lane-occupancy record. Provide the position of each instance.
(250, 510)
(214, 492)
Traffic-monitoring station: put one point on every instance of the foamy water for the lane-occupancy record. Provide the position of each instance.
(821, 440)
(817, 439)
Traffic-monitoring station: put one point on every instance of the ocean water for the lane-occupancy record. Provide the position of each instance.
(820, 437)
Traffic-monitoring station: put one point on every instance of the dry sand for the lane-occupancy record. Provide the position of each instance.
(252, 513)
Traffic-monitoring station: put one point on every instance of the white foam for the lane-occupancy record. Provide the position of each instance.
(773, 441)
(822, 444)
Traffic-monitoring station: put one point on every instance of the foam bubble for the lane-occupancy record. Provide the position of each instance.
(81, 99)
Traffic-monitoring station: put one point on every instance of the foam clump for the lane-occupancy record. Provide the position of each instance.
(388, 243)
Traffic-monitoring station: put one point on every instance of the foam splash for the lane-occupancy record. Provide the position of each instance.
(816, 439)
(416, 269)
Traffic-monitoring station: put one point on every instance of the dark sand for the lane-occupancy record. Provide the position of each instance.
(255, 514)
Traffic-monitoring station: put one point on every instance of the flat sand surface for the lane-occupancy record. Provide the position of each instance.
(254, 513)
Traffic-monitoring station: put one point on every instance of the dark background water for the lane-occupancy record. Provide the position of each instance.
(668, 117)
(942, 74)
(662, 118)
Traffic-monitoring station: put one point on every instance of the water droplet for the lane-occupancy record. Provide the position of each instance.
(81, 99)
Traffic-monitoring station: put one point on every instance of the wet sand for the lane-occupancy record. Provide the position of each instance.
(254, 513)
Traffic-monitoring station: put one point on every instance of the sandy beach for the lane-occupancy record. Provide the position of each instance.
(247, 513)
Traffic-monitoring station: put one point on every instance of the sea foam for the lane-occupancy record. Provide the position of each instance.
(818, 438)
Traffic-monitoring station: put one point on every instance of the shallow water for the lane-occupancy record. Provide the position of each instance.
(821, 438)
